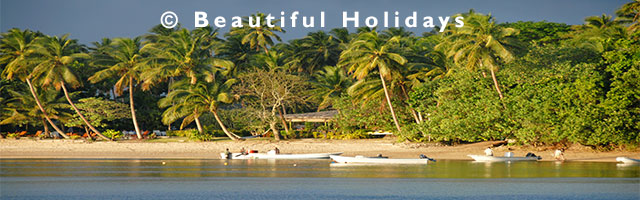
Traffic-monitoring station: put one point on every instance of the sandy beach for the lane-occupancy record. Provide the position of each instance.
(31, 148)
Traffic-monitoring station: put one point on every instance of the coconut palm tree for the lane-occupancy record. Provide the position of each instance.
(183, 53)
(314, 51)
(16, 48)
(54, 57)
(481, 45)
(369, 52)
(25, 110)
(630, 13)
(125, 61)
(189, 101)
(261, 36)
(328, 85)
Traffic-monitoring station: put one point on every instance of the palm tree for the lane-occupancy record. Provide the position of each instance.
(25, 110)
(481, 44)
(54, 56)
(328, 85)
(259, 36)
(314, 51)
(240, 54)
(183, 53)
(125, 61)
(601, 22)
(369, 52)
(189, 101)
(16, 48)
(630, 13)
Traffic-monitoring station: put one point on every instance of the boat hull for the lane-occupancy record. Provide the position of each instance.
(483, 158)
(367, 160)
(279, 156)
(626, 160)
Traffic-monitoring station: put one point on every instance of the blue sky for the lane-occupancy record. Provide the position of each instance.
(90, 20)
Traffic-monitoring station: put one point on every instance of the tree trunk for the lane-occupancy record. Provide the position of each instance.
(227, 132)
(386, 94)
(46, 127)
(133, 111)
(413, 111)
(66, 94)
(284, 122)
(46, 116)
(169, 90)
(495, 82)
(198, 125)
(276, 134)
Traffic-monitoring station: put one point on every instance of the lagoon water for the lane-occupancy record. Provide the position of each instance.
(312, 179)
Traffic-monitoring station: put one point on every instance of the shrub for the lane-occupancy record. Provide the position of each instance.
(114, 135)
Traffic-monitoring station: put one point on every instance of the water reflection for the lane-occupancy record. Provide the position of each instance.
(308, 168)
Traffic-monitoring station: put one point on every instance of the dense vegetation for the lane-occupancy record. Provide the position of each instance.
(534, 82)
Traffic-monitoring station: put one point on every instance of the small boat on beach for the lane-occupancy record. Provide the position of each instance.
(627, 160)
(277, 156)
(377, 160)
(506, 158)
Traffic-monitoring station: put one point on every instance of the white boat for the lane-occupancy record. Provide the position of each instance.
(483, 158)
(377, 160)
(278, 156)
(627, 160)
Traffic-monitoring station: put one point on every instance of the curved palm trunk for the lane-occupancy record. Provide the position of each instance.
(66, 94)
(227, 132)
(495, 82)
(198, 125)
(133, 111)
(46, 116)
(386, 94)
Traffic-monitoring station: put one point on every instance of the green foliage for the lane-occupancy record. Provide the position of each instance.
(114, 135)
(367, 116)
(13, 135)
(99, 111)
(542, 32)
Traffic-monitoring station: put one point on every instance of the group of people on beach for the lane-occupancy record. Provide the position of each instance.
(558, 154)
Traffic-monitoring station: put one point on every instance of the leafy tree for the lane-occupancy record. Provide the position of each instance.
(542, 32)
(267, 91)
(369, 52)
(99, 111)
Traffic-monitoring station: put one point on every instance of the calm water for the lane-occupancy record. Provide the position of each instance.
(312, 179)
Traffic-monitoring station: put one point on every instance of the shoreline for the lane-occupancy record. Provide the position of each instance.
(80, 149)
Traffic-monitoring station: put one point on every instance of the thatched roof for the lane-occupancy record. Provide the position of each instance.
(322, 116)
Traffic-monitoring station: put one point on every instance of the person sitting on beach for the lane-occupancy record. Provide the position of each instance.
(243, 151)
(559, 154)
(277, 150)
(488, 151)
